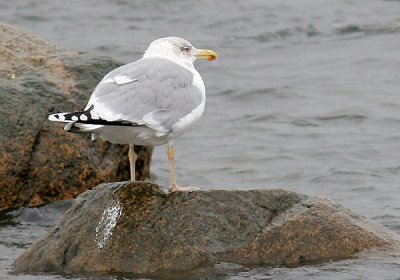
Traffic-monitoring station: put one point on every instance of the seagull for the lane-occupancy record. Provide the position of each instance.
(147, 102)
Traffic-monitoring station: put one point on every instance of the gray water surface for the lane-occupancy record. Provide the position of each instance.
(305, 97)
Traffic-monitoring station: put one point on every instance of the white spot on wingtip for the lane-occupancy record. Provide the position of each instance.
(83, 117)
(57, 117)
(52, 118)
(74, 118)
(107, 223)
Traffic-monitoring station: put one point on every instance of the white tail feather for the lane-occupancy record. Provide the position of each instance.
(87, 127)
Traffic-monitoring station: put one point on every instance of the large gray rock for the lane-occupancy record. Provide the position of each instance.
(39, 161)
(136, 228)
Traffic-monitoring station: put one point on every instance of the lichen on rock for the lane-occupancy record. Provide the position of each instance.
(108, 221)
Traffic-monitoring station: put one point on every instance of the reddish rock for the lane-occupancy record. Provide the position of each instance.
(39, 161)
(135, 228)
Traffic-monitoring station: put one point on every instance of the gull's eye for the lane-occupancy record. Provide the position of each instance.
(185, 49)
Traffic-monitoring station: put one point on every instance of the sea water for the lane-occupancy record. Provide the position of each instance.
(305, 96)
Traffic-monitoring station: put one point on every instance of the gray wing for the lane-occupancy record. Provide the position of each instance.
(154, 92)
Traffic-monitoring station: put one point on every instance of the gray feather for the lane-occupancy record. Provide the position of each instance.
(158, 89)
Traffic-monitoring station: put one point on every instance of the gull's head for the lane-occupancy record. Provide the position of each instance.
(178, 49)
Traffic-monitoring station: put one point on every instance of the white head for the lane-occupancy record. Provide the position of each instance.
(178, 49)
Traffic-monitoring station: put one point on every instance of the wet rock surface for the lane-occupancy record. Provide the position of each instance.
(40, 162)
(136, 228)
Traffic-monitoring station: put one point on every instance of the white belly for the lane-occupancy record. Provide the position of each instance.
(131, 135)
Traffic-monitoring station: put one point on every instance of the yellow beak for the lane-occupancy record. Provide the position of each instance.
(206, 55)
